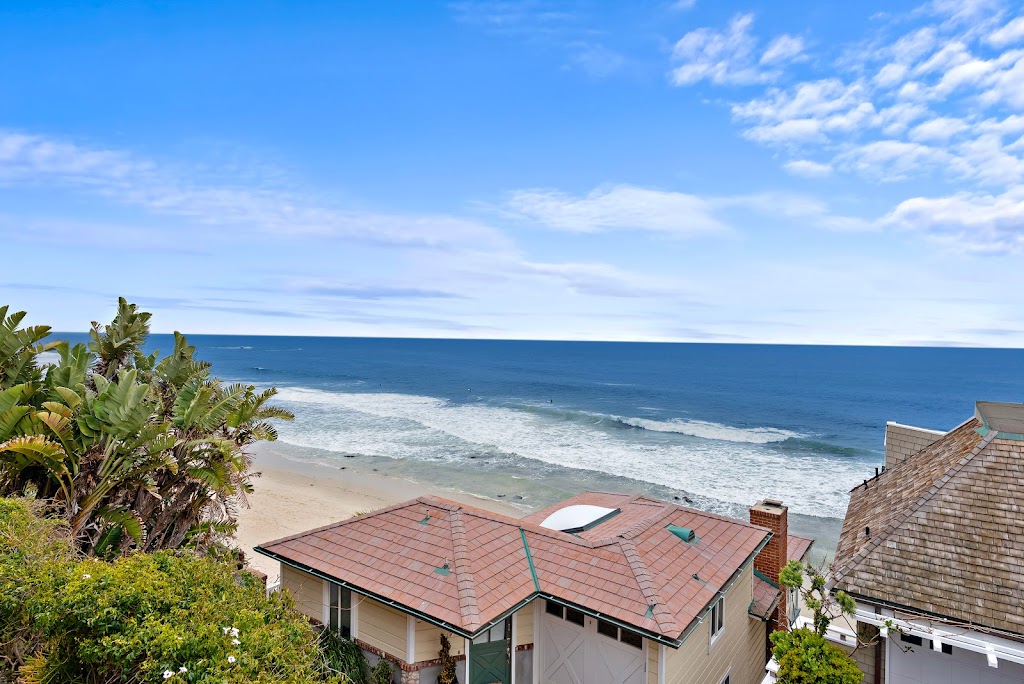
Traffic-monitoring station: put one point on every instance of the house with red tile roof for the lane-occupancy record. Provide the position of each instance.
(602, 588)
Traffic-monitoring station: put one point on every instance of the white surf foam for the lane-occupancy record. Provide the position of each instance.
(739, 470)
(709, 430)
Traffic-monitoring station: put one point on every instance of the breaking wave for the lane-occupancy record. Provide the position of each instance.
(719, 462)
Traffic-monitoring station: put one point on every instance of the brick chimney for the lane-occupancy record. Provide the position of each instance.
(773, 515)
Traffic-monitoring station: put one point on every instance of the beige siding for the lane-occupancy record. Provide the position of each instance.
(383, 627)
(428, 641)
(524, 624)
(308, 591)
(652, 662)
(740, 646)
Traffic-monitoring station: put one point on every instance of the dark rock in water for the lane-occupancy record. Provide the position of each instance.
(473, 456)
(349, 455)
(687, 499)
(342, 467)
(676, 498)
(501, 496)
(374, 470)
(517, 497)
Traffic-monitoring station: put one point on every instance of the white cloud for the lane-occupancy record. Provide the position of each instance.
(728, 57)
(937, 130)
(808, 168)
(783, 49)
(619, 207)
(891, 160)
(126, 179)
(1012, 32)
(684, 5)
(976, 222)
(787, 132)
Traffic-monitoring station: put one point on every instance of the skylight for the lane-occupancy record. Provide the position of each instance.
(577, 518)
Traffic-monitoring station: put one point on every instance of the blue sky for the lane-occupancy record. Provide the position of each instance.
(796, 172)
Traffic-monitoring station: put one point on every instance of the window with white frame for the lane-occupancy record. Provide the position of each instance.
(726, 678)
(340, 608)
(717, 619)
(793, 604)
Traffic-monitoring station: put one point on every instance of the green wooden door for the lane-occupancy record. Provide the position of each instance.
(490, 656)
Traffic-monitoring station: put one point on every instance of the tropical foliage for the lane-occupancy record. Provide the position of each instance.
(135, 450)
(166, 616)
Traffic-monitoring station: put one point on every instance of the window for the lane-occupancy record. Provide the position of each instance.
(910, 639)
(631, 638)
(613, 631)
(608, 629)
(947, 649)
(717, 618)
(341, 610)
(497, 632)
(793, 604)
(565, 612)
(726, 678)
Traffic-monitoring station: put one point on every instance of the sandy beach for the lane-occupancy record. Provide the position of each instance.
(292, 497)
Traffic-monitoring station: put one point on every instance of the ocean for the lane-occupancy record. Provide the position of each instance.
(709, 425)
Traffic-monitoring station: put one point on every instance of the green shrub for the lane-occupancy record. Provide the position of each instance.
(805, 657)
(142, 618)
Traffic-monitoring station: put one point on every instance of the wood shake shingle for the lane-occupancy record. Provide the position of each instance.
(942, 532)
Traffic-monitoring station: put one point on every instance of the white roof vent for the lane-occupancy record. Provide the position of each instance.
(577, 518)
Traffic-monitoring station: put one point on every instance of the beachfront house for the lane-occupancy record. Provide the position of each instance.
(599, 589)
(932, 550)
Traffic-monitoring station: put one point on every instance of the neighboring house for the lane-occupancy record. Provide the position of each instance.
(599, 589)
(932, 550)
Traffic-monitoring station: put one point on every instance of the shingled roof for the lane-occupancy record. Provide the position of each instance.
(942, 532)
(466, 568)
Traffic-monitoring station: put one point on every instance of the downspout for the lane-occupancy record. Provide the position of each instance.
(878, 661)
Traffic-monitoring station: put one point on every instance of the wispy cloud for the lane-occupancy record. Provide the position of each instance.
(617, 207)
(126, 179)
(731, 56)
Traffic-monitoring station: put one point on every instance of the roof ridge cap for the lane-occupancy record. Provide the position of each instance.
(468, 606)
(666, 622)
(641, 526)
(937, 484)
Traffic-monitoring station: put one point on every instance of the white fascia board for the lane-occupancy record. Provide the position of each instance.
(958, 637)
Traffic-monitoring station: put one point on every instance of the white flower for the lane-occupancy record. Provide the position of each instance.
(236, 642)
(231, 659)
(226, 629)
(182, 669)
(234, 631)
(168, 674)
(86, 576)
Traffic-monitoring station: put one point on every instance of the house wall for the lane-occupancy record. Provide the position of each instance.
(652, 662)
(428, 641)
(383, 627)
(524, 624)
(902, 441)
(308, 591)
(740, 646)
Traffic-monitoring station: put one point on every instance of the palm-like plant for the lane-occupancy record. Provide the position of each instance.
(136, 451)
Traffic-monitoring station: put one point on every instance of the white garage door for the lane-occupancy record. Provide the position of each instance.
(578, 649)
(922, 665)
